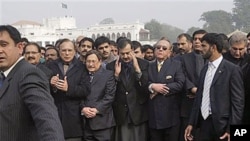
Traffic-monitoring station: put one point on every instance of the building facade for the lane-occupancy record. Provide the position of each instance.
(56, 28)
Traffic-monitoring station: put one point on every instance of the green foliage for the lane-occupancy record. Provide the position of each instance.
(158, 30)
(241, 15)
(218, 21)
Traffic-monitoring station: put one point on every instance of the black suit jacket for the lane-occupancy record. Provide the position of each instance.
(226, 97)
(164, 111)
(192, 64)
(131, 95)
(68, 103)
(101, 97)
(27, 110)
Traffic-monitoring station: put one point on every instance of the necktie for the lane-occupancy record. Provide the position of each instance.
(91, 76)
(65, 68)
(159, 66)
(205, 105)
(2, 78)
(127, 70)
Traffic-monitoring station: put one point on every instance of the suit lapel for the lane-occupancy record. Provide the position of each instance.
(164, 68)
(97, 76)
(9, 77)
(4, 87)
(218, 72)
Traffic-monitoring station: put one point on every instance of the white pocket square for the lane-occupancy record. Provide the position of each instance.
(168, 77)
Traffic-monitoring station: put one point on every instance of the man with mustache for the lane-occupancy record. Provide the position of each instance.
(32, 54)
(85, 45)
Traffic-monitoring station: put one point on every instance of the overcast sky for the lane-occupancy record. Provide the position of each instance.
(180, 13)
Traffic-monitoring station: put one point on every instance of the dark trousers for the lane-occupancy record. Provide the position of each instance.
(97, 135)
(207, 131)
(183, 126)
(167, 134)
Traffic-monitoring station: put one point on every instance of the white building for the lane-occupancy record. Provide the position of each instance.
(56, 28)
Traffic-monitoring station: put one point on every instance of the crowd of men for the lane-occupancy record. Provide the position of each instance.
(104, 90)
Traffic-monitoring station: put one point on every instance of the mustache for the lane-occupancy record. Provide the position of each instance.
(31, 58)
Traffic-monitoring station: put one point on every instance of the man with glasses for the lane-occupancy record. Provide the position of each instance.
(166, 79)
(32, 54)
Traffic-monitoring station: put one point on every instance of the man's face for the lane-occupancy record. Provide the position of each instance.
(50, 55)
(114, 50)
(149, 55)
(67, 51)
(138, 53)
(184, 46)
(85, 47)
(197, 42)
(9, 51)
(206, 50)
(162, 50)
(105, 49)
(32, 55)
(92, 63)
(125, 53)
(238, 50)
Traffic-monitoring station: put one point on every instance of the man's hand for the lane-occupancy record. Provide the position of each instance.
(160, 88)
(224, 136)
(62, 84)
(188, 136)
(118, 67)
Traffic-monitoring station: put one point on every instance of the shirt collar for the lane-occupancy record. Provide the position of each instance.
(6, 73)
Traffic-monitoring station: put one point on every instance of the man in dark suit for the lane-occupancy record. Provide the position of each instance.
(130, 104)
(68, 89)
(219, 101)
(97, 106)
(192, 64)
(27, 111)
(166, 80)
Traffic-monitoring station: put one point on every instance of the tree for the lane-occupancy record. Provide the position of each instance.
(155, 29)
(218, 21)
(158, 30)
(107, 21)
(191, 30)
(241, 15)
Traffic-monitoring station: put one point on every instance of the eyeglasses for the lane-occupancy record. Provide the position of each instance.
(163, 47)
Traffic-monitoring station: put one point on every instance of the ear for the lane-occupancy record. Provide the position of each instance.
(20, 47)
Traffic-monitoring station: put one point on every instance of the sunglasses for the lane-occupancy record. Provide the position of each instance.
(163, 48)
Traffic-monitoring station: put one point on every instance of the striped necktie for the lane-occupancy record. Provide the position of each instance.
(205, 105)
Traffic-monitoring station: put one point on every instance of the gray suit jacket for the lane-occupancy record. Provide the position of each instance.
(27, 110)
(101, 97)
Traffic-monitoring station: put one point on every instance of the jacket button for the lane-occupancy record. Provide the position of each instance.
(126, 93)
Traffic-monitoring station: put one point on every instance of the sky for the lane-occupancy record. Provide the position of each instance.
(179, 13)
